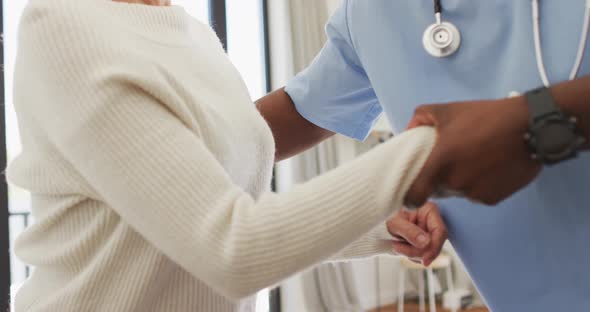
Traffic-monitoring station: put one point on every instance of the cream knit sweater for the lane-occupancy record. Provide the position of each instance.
(149, 169)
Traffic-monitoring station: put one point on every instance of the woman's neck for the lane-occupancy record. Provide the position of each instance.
(147, 2)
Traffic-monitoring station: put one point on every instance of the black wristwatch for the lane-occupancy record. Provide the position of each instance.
(553, 135)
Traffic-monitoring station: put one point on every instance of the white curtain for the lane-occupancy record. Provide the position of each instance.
(297, 35)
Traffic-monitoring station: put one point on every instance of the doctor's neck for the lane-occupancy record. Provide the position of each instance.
(147, 2)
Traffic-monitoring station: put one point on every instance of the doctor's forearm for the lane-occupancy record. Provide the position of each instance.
(574, 98)
(293, 134)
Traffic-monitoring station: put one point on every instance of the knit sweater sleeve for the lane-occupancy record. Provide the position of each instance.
(145, 163)
(377, 242)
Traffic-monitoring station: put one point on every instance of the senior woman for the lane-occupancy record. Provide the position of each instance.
(149, 169)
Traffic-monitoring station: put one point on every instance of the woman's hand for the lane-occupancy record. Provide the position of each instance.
(420, 234)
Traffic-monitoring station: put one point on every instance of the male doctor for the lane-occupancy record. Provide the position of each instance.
(529, 253)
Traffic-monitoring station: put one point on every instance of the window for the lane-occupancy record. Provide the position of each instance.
(245, 25)
(241, 27)
(19, 201)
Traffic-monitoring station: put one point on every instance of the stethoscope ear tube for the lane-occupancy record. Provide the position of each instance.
(443, 39)
(539, 50)
(437, 6)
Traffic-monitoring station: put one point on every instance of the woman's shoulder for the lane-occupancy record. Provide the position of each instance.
(54, 12)
(65, 23)
(82, 32)
(94, 40)
(104, 25)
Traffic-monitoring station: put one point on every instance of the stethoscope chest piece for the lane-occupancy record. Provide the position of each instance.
(441, 39)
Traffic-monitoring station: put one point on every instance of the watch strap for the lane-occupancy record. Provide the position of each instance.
(540, 104)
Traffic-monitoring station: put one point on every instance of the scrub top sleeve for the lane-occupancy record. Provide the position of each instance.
(334, 92)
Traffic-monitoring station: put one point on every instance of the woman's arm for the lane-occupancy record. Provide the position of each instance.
(111, 118)
(417, 234)
(294, 134)
(376, 242)
(164, 182)
(160, 177)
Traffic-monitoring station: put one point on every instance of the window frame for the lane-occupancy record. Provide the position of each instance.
(218, 20)
(5, 272)
(274, 296)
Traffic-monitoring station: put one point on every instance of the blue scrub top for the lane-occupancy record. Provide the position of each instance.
(531, 252)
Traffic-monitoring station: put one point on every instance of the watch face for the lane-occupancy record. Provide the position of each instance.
(555, 138)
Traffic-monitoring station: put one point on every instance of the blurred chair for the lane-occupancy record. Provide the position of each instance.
(442, 262)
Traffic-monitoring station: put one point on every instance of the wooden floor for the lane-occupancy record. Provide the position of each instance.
(413, 307)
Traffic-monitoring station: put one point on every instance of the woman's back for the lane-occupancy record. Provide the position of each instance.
(79, 244)
(149, 169)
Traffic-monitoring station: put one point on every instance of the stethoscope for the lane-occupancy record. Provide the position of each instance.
(443, 39)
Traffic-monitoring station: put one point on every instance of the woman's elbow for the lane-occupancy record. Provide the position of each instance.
(240, 280)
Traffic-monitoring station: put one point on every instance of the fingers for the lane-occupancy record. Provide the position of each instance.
(423, 116)
(433, 222)
(429, 217)
(401, 226)
(411, 225)
(439, 237)
(409, 239)
(418, 121)
(408, 250)
(412, 217)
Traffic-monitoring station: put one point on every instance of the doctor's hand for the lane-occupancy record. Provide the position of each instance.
(419, 234)
(480, 152)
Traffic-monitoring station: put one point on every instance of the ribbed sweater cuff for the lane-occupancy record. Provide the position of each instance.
(375, 243)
